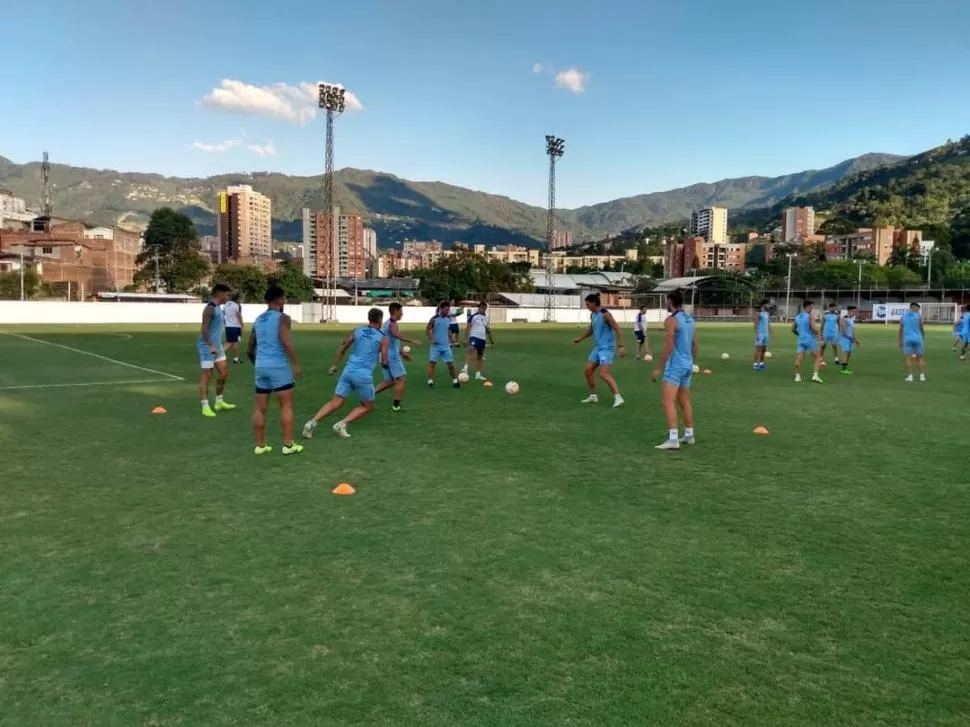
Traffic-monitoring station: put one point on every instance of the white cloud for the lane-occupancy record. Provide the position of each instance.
(263, 150)
(217, 147)
(573, 80)
(538, 68)
(294, 103)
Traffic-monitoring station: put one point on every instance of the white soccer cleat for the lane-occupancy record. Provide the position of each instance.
(479, 377)
(909, 379)
(308, 429)
(591, 399)
(340, 429)
(617, 401)
(922, 377)
(798, 378)
(688, 440)
(669, 444)
(816, 379)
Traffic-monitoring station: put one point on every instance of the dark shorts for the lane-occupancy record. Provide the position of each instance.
(454, 328)
(478, 344)
(232, 334)
(640, 336)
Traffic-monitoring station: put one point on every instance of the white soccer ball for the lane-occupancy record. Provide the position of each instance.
(725, 357)
(511, 388)
(462, 378)
(695, 368)
(767, 354)
(648, 358)
(406, 349)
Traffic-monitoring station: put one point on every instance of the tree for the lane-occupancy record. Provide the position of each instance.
(837, 226)
(10, 284)
(172, 248)
(466, 274)
(293, 281)
(247, 280)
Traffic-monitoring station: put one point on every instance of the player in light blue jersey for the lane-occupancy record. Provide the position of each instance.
(762, 335)
(370, 345)
(677, 364)
(808, 339)
(212, 353)
(395, 374)
(830, 332)
(271, 351)
(607, 343)
(847, 339)
(911, 339)
(963, 331)
(438, 331)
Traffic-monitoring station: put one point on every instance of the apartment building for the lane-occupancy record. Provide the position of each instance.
(695, 253)
(340, 252)
(797, 224)
(370, 249)
(875, 242)
(711, 224)
(245, 226)
(13, 210)
(561, 239)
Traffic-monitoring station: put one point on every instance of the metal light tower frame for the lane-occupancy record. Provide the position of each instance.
(46, 206)
(332, 99)
(555, 148)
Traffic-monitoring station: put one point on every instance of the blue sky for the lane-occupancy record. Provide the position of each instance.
(652, 95)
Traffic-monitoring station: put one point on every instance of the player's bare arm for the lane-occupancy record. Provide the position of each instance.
(587, 334)
(395, 331)
(344, 346)
(206, 320)
(670, 329)
(251, 347)
(429, 328)
(286, 341)
(385, 345)
(899, 335)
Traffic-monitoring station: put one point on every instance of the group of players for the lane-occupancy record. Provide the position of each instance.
(381, 341)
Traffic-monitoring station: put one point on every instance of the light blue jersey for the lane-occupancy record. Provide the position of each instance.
(911, 323)
(395, 368)
(807, 340)
(269, 348)
(439, 331)
(964, 329)
(847, 337)
(830, 327)
(604, 340)
(358, 374)
(763, 329)
(207, 359)
(679, 367)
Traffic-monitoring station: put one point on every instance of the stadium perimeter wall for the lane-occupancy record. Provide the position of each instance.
(31, 312)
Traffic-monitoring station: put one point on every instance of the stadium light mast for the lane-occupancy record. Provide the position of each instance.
(555, 148)
(790, 256)
(332, 99)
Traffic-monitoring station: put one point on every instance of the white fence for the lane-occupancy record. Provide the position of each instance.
(15, 312)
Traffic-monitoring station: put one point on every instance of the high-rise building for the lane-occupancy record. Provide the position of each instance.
(561, 239)
(245, 226)
(370, 250)
(711, 224)
(797, 223)
(344, 252)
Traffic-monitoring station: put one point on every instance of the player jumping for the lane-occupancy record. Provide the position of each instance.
(830, 332)
(370, 345)
(677, 364)
(847, 339)
(438, 331)
(477, 333)
(762, 334)
(911, 339)
(271, 351)
(808, 339)
(212, 354)
(607, 344)
(395, 374)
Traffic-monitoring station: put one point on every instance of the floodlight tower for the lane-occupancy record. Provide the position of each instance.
(333, 101)
(45, 180)
(555, 148)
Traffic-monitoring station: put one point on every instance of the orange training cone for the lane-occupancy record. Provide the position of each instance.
(487, 383)
(159, 410)
(343, 489)
(760, 430)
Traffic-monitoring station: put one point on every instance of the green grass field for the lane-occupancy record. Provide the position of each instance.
(506, 560)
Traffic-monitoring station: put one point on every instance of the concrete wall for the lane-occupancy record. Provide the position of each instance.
(59, 312)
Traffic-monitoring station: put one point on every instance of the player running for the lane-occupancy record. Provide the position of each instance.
(911, 339)
(963, 332)
(640, 333)
(477, 334)
(271, 351)
(395, 373)
(847, 339)
(830, 332)
(607, 343)
(676, 363)
(808, 339)
(212, 354)
(234, 325)
(438, 331)
(370, 345)
(762, 335)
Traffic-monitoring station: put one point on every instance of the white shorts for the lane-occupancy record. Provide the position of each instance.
(210, 363)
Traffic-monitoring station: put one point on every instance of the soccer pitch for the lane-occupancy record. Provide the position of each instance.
(506, 560)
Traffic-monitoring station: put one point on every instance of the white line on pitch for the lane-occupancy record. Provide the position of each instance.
(167, 375)
(89, 383)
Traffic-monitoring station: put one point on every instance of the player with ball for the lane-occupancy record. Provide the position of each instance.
(677, 366)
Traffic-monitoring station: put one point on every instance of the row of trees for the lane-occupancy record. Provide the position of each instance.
(466, 274)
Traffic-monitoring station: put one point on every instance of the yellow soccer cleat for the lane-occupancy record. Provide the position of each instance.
(224, 406)
(293, 448)
(207, 411)
(265, 449)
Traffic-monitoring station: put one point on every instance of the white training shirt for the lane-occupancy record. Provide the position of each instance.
(479, 326)
(452, 320)
(641, 322)
(232, 311)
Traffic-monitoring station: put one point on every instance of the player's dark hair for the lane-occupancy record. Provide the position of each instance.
(220, 288)
(676, 298)
(643, 307)
(234, 297)
(852, 308)
(914, 304)
(393, 307)
(806, 304)
(831, 305)
(375, 315)
(442, 304)
(482, 304)
(593, 298)
(274, 293)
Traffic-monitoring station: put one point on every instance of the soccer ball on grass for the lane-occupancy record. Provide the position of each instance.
(512, 388)
(725, 357)
(462, 378)
(406, 349)
(767, 354)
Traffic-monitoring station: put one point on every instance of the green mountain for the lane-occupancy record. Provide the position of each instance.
(398, 209)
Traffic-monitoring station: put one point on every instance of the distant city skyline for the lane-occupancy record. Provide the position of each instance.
(465, 93)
